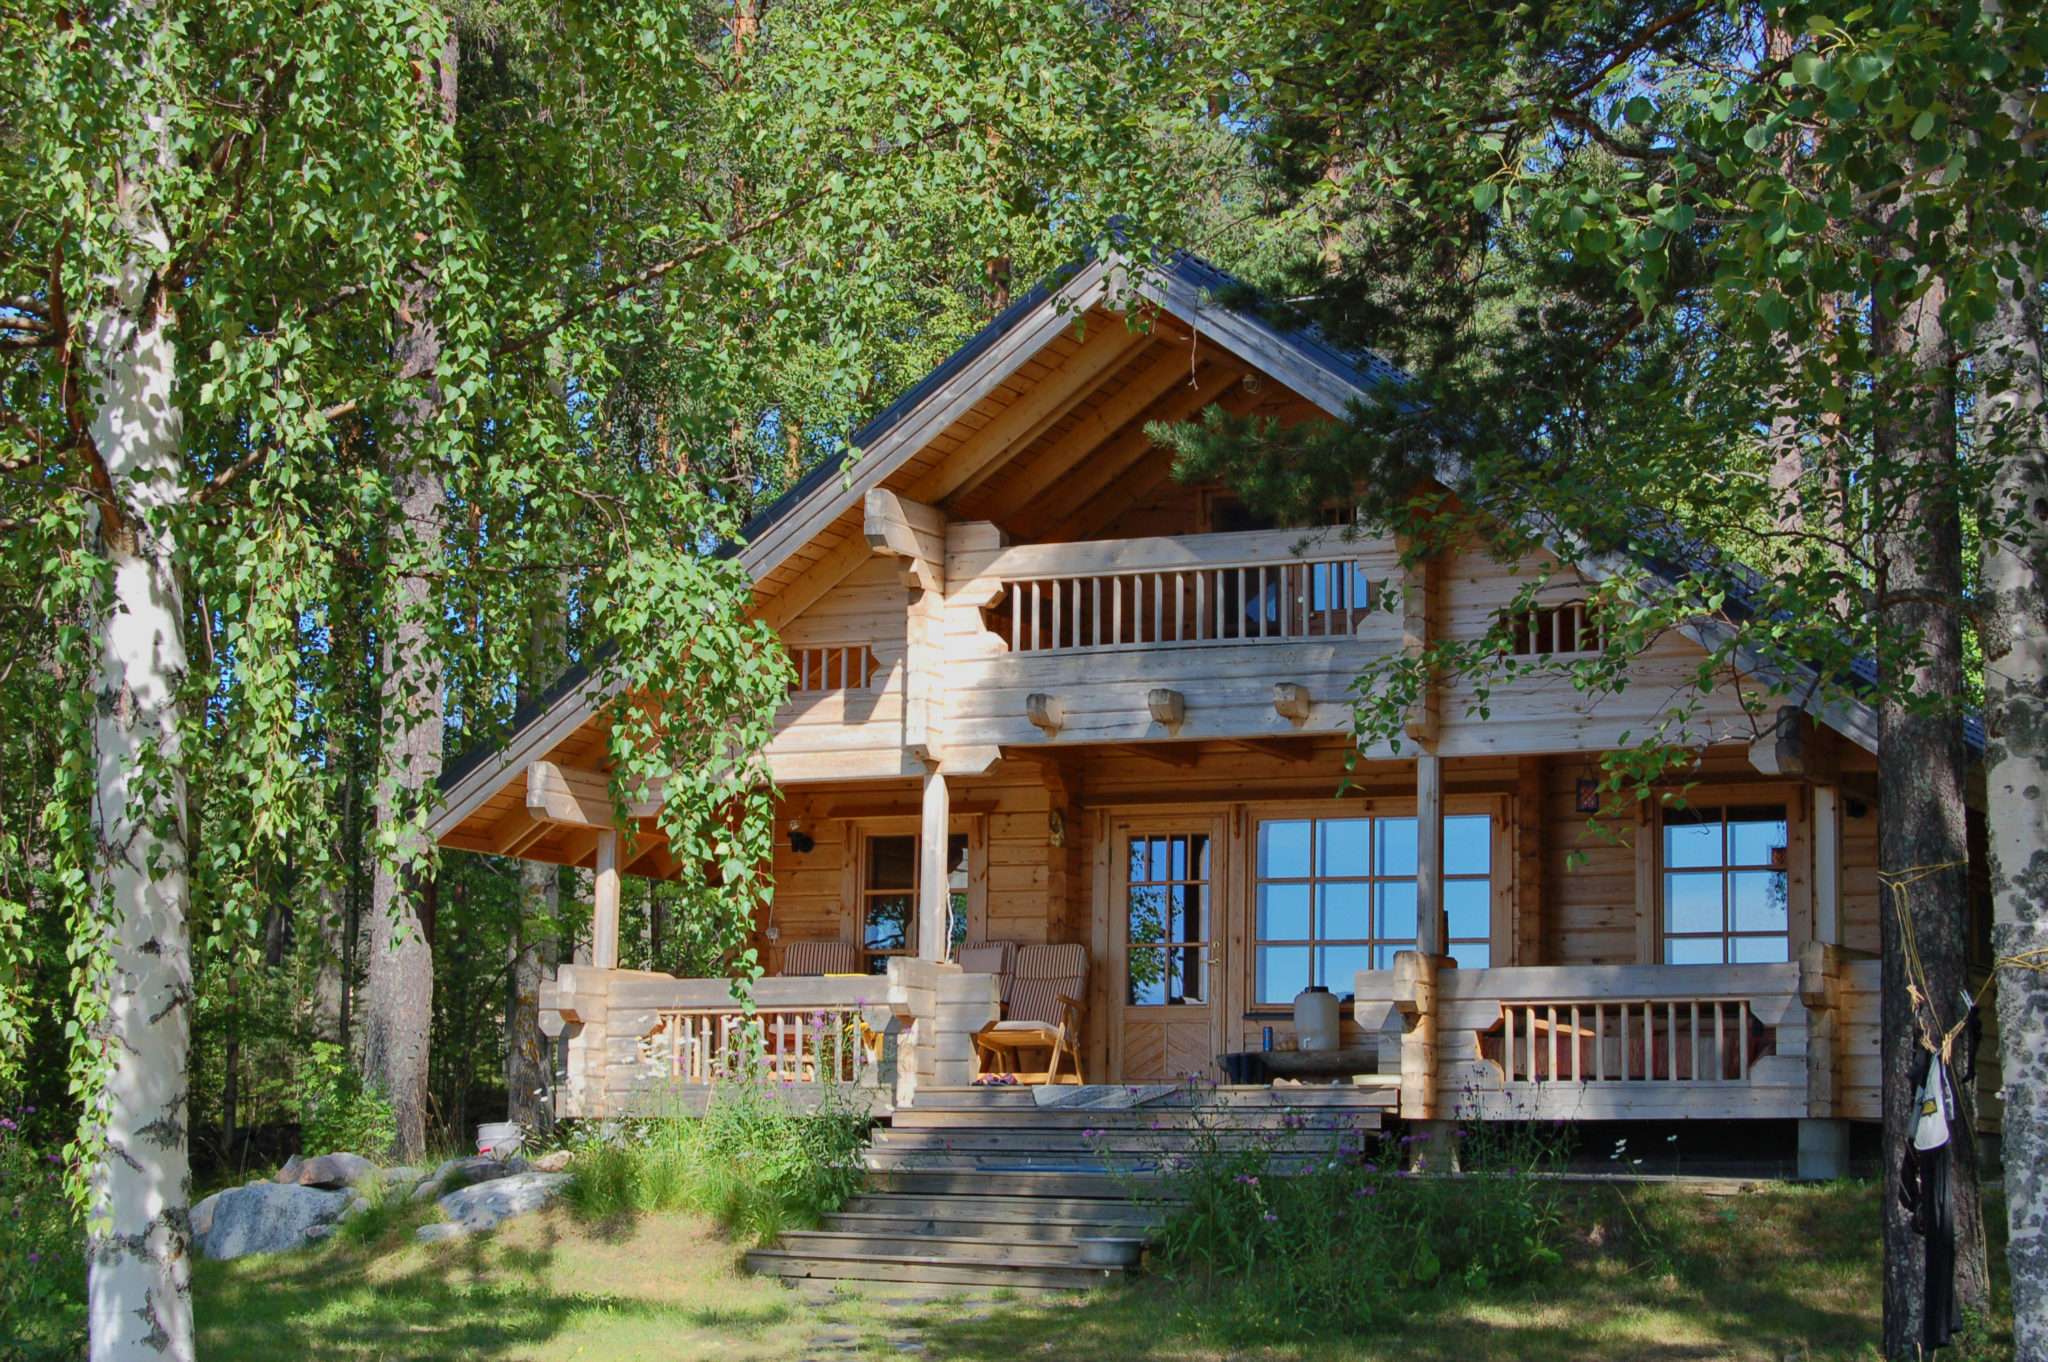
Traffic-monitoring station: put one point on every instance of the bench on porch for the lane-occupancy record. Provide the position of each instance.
(1040, 988)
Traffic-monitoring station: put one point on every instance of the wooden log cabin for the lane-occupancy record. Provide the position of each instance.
(1048, 694)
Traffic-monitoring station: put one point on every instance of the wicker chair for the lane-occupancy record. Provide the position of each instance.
(1042, 1010)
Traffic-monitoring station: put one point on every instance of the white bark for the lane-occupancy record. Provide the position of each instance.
(2013, 625)
(139, 1266)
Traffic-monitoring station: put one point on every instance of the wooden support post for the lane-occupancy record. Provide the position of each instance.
(604, 910)
(932, 894)
(1415, 1000)
(1528, 886)
(1827, 865)
(1429, 855)
(1420, 586)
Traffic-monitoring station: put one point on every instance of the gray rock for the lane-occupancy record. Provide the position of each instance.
(332, 1171)
(404, 1175)
(202, 1216)
(459, 1173)
(486, 1205)
(290, 1171)
(440, 1229)
(556, 1162)
(266, 1218)
(356, 1208)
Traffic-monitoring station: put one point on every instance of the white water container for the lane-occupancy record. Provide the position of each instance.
(500, 1139)
(1316, 1015)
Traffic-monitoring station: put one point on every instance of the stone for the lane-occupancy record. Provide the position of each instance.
(356, 1208)
(332, 1171)
(459, 1173)
(404, 1175)
(486, 1205)
(290, 1171)
(266, 1218)
(557, 1162)
(440, 1229)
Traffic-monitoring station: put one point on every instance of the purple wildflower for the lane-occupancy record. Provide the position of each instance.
(1248, 1179)
(1270, 1218)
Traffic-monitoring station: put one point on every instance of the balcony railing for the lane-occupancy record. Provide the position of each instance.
(1225, 603)
(1642, 1040)
(820, 1045)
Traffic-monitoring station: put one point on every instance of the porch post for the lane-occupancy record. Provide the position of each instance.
(932, 891)
(1429, 855)
(604, 908)
(1827, 865)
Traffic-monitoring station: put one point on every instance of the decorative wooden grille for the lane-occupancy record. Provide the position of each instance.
(1149, 608)
(1554, 630)
(824, 668)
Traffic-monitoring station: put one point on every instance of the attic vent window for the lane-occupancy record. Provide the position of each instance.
(1555, 631)
(824, 668)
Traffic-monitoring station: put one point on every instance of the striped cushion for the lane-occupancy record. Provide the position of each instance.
(1043, 974)
(801, 958)
(990, 957)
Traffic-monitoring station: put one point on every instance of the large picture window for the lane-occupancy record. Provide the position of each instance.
(1334, 896)
(1725, 886)
(888, 908)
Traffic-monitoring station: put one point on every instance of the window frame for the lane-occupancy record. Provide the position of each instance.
(855, 894)
(1722, 798)
(1499, 879)
(1213, 885)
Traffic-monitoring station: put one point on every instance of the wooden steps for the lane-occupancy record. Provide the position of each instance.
(984, 1187)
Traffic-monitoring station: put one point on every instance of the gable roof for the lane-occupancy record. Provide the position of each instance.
(1184, 287)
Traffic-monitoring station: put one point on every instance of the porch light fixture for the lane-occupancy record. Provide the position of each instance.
(800, 842)
(1589, 796)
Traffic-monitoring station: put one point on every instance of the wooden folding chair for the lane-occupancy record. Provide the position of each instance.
(1042, 1011)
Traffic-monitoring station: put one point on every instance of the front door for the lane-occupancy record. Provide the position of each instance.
(1165, 920)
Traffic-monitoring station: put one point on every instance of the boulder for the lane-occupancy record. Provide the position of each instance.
(556, 1162)
(331, 1171)
(459, 1173)
(404, 1175)
(440, 1229)
(486, 1205)
(265, 1218)
(290, 1171)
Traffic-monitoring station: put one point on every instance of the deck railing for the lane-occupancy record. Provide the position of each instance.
(1640, 1040)
(1242, 602)
(820, 1045)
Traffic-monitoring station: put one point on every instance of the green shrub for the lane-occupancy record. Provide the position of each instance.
(1288, 1244)
(42, 1242)
(752, 1161)
(337, 1110)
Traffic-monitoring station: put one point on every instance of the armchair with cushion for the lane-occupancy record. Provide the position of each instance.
(1042, 1009)
(810, 959)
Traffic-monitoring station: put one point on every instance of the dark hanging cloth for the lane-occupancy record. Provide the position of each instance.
(1925, 1192)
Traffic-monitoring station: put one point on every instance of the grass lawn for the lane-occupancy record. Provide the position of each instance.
(1651, 1275)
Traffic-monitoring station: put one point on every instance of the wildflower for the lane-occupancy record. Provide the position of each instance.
(6, 1124)
(1270, 1218)
(1369, 1168)
(1248, 1179)
(1367, 1190)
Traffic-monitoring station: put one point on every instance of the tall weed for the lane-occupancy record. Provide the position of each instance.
(1333, 1233)
(752, 1161)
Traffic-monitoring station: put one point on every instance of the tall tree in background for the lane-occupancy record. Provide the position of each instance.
(217, 402)
(1617, 245)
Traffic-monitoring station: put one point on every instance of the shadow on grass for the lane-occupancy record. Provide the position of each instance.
(1647, 1279)
(470, 1297)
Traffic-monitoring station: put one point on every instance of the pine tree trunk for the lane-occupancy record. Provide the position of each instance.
(1921, 819)
(138, 1249)
(399, 987)
(2013, 626)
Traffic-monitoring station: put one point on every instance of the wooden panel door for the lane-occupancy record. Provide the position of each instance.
(1165, 936)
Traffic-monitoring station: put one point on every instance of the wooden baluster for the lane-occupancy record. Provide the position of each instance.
(1016, 618)
(1599, 1042)
(1693, 1048)
(1720, 1054)
(1034, 617)
(1201, 602)
(1057, 594)
(1158, 608)
(1095, 609)
(1553, 1042)
(1507, 1042)
(1529, 1038)
(1577, 1077)
(1180, 607)
(1649, 1041)
(1742, 1040)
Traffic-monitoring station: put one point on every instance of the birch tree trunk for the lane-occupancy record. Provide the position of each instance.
(1921, 819)
(528, 1079)
(2013, 625)
(138, 1253)
(399, 987)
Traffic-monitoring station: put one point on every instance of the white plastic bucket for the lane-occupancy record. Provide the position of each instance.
(500, 1139)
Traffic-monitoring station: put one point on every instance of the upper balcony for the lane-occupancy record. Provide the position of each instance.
(1189, 636)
